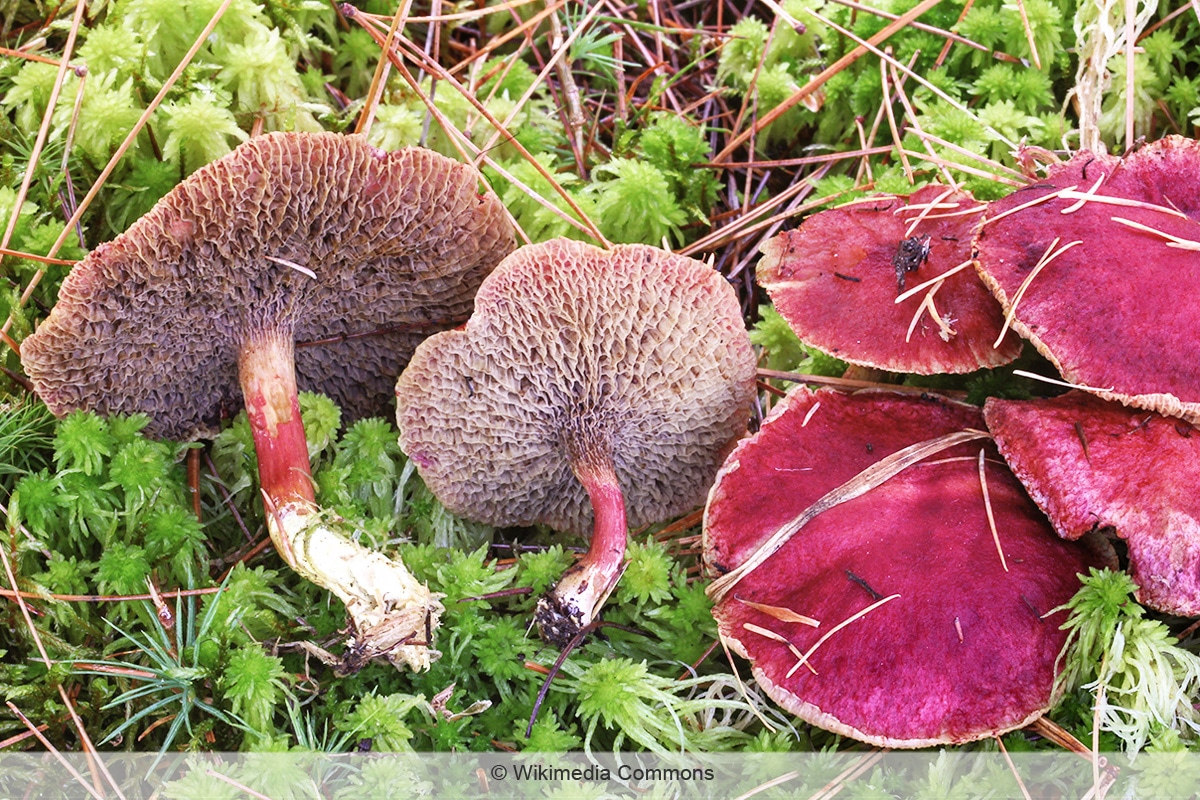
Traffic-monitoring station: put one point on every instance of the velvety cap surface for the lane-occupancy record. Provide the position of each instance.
(636, 351)
(1118, 310)
(1092, 464)
(835, 280)
(314, 234)
(924, 637)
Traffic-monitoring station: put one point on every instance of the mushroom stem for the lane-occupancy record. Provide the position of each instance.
(268, 376)
(575, 601)
(393, 614)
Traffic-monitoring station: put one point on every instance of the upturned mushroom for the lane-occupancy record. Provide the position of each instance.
(1095, 465)
(1099, 267)
(885, 574)
(589, 389)
(887, 282)
(292, 237)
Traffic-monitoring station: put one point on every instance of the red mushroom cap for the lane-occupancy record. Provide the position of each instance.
(835, 279)
(925, 635)
(1108, 287)
(1092, 464)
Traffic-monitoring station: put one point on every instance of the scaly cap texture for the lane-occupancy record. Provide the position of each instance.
(1115, 300)
(1092, 464)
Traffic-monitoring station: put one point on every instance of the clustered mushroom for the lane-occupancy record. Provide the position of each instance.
(1093, 464)
(884, 573)
(886, 282)
(874, 557)
(590, 388)
(1098, 266)
(303, 237)
(821, 516)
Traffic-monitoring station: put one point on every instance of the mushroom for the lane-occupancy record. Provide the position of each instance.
(885, 574)
(618, 377)
(886, 282)
(309, 237)
(1099, 267)
(1093, 464)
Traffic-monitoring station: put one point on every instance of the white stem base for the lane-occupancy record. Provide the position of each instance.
(573, 603)
(392, 613)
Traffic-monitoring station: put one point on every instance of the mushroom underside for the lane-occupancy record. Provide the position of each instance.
(590, 389)
(316, 236)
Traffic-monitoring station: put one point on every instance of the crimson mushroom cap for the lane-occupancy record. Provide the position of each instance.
(153, 321)
(835, 280)
(1117, 311)
(945, 645)
(636, 352)
(1092, 464)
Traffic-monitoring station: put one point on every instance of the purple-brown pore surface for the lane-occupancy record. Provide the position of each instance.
(1092, 464)
(590, 389)
(198, 307)
(1118, 307)
(836, 278)
(315, 237)
(952, 643)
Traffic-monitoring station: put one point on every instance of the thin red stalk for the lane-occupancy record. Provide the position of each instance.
(572, 606)
(610, 534)
(268, 378)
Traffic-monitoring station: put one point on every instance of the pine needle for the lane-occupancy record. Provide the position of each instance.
(927, 208)
(1172, 240)
(860, 484)
(1034, 376)
(382, 68)
(822, 77)
(1046, 198)
(987, 505)
(1046, 258)
(852, 618)
(780, 613)
(1089, 197)
(1037, 60)
(936, 280)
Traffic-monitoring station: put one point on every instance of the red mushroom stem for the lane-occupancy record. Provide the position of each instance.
(392, 612)
(575, 601)
(268, 378)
